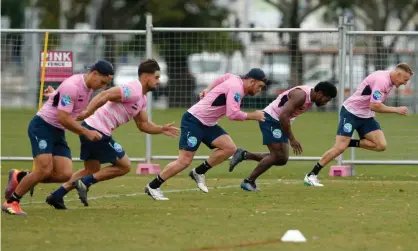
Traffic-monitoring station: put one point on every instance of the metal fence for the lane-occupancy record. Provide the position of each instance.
(191, 58)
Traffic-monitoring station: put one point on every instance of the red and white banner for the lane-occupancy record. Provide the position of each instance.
(59, 65)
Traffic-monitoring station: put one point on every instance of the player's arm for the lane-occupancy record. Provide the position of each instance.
(68, 95)
(144, 125)
(382, 108)
(65, 119)
(233, 106)
(296, 100)
(215, 83)
(376, 101)
(113, 94)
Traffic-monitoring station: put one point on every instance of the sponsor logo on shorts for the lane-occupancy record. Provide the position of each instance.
(377, 95)
(126, 92)
(117, 147)
(348, 127)
(191, 141)
(65, 100)
(42, 144)
(277, 133)
(237, 97)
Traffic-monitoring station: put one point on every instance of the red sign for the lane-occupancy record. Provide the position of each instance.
(59, 65)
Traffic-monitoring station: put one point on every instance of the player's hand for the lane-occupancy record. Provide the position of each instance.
(83, 115)
(48, 91)
(402, 110)
(296, 146)
(203, 93)
(171, 130)
(259, 115)
(93, 135)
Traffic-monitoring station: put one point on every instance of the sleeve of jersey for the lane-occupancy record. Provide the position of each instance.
(68, 95)
(378, 88)
(233, 102)
(126, 93)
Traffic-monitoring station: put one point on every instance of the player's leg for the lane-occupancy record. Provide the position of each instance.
(88, 150)
(62, 170)
(278, 156)
(267, 128)
(56, 199)
(278, 146)
(43, 168)
(40, 136)
(347, 124)
(341, 144)
(372, 137)
(105, 150)
(216, 138)
(241, 155)
(14, 178)
(182, 162)
(189, 142)
(119, 168)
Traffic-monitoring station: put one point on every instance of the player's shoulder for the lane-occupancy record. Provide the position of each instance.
(74, 82)
(299, 90)
(379, 75)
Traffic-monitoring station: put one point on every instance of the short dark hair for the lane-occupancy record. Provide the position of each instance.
(148, 66)
(327, 88)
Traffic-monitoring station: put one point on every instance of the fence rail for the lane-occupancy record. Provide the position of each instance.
(339, 54)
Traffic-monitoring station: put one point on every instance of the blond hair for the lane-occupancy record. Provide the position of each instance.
(404, 67)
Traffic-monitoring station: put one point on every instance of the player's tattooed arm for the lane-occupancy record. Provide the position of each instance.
(144, 125)
(113, 94)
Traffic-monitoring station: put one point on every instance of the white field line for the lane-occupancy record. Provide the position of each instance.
(280, 181)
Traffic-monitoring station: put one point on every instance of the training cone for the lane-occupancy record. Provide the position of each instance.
(293, 236)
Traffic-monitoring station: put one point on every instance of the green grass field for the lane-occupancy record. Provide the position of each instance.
(375, 210)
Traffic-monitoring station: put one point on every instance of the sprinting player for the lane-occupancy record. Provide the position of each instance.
(199, 124)
(277, 131)
(106, 112)
(52, 156)
(357, 113)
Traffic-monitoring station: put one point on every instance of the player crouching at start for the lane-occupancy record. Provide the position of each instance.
(106, 112)
(276, 129)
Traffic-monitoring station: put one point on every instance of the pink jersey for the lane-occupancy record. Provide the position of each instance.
(375, 88)
(274, 108)
(224, 99)
(114, 114)
(71, 96)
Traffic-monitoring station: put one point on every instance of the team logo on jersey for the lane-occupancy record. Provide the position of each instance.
(117, 147)
(65, 100)
(377, 95)
(191, 141)
(126, 92)
(277, 133)
(42, 144)
(347, 127)
(237, 97)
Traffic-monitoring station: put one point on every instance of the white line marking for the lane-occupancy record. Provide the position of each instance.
(280, 181)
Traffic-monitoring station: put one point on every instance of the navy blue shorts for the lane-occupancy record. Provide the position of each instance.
(105, 150)
(193, 132)
(271, 131)
(350, 122)
(47, 139)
